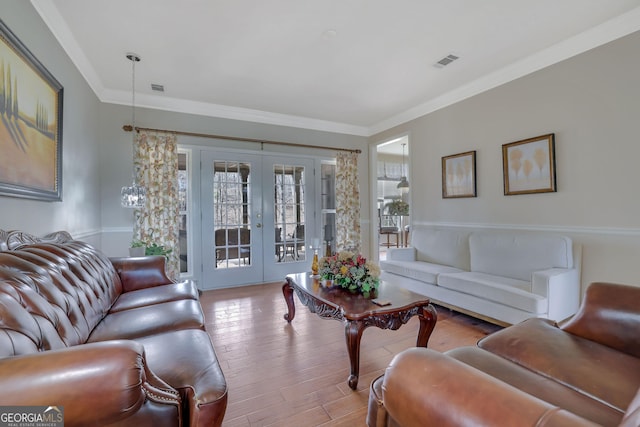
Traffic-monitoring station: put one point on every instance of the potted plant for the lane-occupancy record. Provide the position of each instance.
(137, 248)
(398, 207)
(155, 249)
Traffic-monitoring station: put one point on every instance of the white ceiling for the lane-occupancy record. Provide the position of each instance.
(394, 146)
(352, 66)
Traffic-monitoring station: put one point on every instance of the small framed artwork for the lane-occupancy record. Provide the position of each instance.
(30, 124)
(459, 175)
(529, 166)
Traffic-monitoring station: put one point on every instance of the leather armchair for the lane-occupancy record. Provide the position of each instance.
(585, 372)
(462, 396)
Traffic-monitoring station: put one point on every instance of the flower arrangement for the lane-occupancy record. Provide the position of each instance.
(350, 271)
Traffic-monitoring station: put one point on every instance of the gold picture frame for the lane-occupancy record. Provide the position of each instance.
(529, 166)
(30, 124)
(459, 175)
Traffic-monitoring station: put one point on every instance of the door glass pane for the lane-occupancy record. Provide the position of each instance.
(289, 213)
(183, 187)
(328, 207)
(232, 213)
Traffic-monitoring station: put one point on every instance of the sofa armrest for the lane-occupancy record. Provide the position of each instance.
(401, 254)
(561, 287)
(97, 384)
(424, 387)
(609, 315)
(141, 272)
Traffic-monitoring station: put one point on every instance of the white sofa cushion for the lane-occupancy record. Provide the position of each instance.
(401, 254)
(512, 292)
(517, 256)
(418, 270)
(446, 247)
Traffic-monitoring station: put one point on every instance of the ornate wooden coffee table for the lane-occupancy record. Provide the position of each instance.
(358, 312)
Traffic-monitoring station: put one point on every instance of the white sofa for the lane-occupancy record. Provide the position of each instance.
(505, 277)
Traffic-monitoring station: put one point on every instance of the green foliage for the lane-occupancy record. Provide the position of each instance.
(398, 207)
(155, 249)
(150, 248)
(135, 243)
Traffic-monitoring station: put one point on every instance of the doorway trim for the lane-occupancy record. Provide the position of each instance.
(373, 188)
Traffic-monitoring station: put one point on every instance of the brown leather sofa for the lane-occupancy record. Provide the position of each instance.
(113, 341)
(585, 372)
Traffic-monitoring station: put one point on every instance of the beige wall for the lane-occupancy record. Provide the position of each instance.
(592, 104)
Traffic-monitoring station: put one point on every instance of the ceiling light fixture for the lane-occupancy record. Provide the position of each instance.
(135, 195)
(403, 185)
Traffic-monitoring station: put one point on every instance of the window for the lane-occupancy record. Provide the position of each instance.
(232, 213)
(328, 205)
(289, 212)
(184, 210)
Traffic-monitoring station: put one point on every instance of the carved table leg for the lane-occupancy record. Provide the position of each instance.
(353, 332)
(287, 291)
(428, 318)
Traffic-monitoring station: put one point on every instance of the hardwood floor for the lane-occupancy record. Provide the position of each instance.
(282, 374)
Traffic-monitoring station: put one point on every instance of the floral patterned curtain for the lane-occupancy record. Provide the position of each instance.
(347, 202)
(156, 165)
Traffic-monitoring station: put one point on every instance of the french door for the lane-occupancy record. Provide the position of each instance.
(257, 215)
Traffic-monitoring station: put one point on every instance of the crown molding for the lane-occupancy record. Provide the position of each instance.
(226, 112)
(606, 32)
(58, 26)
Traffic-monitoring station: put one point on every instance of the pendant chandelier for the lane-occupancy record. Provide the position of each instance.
(403, 185)
(133, 196)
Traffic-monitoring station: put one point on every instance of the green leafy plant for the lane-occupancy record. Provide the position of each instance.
(398, 207)
(150, 248)
(155, 249)
(135, 243)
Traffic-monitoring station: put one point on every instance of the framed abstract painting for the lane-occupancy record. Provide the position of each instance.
(529, 166)
(30, 124)
(459, 175)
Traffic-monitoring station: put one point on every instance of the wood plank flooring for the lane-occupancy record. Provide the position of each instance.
(282, 374)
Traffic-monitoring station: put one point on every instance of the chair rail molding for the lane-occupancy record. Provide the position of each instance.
(616, 231)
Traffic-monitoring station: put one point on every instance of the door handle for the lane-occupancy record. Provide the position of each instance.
(258, 225)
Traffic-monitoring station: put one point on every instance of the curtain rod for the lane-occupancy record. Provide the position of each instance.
(129, 128)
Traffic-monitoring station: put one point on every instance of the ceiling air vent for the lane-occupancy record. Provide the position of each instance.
(445, 61)
(157, 88)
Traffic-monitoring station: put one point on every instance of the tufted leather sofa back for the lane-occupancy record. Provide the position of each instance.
(52, 295)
